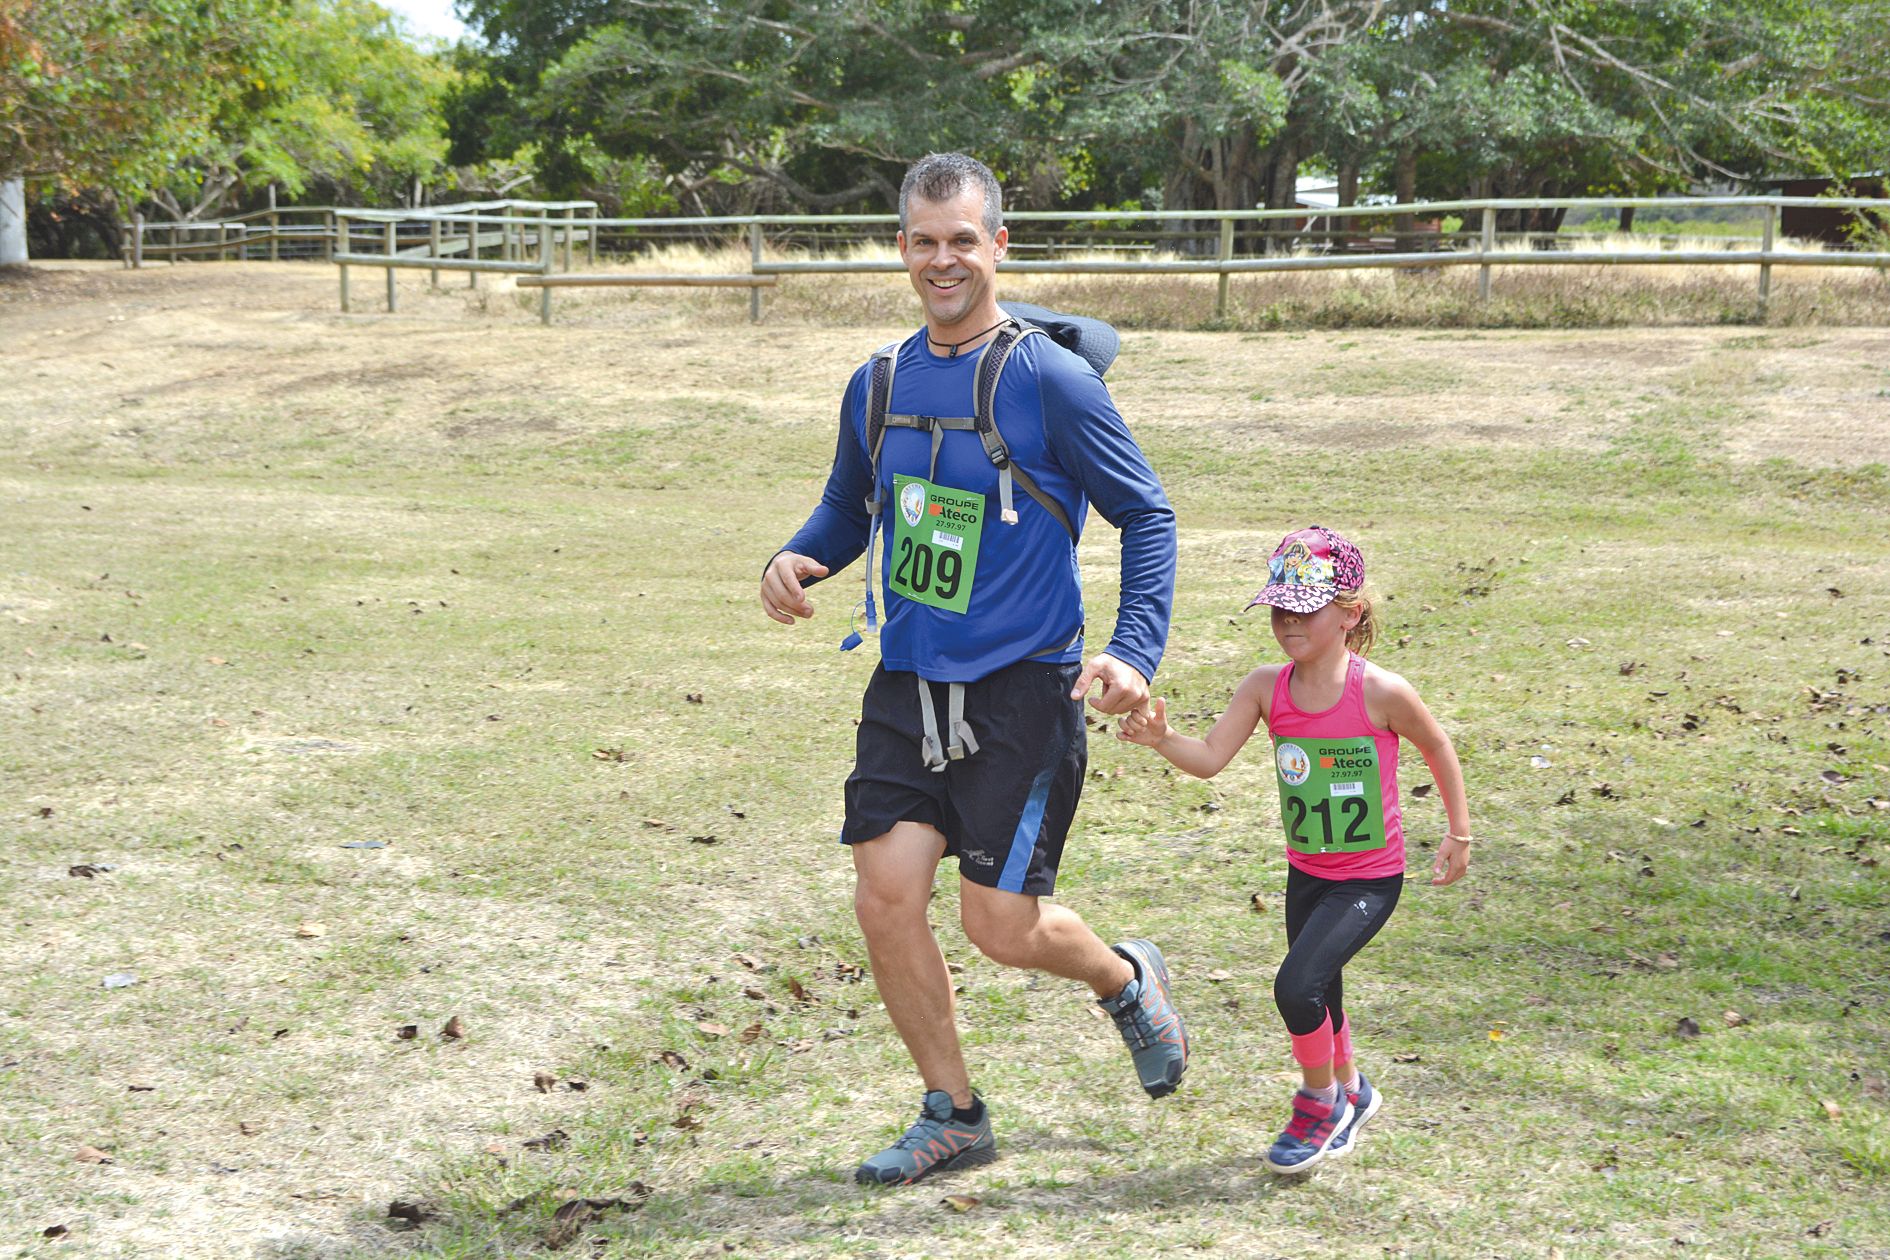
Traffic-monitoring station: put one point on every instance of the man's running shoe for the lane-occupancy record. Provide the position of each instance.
(1309, 1134)
(936, 1143)
(1365, 1103)
(1148, 1020)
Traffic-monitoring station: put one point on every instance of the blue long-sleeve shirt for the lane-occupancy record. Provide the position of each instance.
(1062, 429)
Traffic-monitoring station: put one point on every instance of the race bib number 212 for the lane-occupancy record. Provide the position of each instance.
(1330, 796)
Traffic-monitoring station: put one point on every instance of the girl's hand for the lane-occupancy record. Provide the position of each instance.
(1453, 859)
(1146, 726)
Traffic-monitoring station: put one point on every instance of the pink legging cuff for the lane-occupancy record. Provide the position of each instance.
(1314, 1048)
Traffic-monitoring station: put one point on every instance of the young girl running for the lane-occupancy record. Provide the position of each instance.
(1335, 722)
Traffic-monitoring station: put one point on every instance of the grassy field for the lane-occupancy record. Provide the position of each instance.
(387, 672)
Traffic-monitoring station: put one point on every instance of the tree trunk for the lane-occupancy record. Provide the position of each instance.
(1627, 218)
(12, 222)
(1348, 182)
(1404, 224)
(1282, 192)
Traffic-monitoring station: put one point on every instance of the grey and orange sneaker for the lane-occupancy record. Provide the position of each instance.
(1310, 1133)
(1365, 1102)
(1148, 1021)
(935, 1143)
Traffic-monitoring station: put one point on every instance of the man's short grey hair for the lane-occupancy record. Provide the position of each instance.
(942, 176)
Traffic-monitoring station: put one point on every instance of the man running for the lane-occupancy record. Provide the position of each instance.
(984, 624)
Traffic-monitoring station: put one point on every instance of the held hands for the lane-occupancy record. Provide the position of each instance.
(781, 595)
(1124, 688)
(1147, 727)
(1453, 859)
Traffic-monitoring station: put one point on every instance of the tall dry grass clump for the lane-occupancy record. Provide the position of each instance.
(1536, 296)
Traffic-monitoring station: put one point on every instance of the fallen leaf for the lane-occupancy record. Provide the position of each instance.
(454, 1029)
(53, 1231)
(610, 754)
(669, 1058)
(1666, 961)
(407, 1032)
(550, 1142)
(797, 989)
(1686, 1026)
(412, 1213)
(92, 1155)
(960, 1202)
(686, 1122)
(750, 1034)
(694, 697)
(658, 824)
(1831, 1109)
(1820, 1229)
(577, 1087)
(495, 1148)
(309, 930)
(1217, 976)
(709, 1029)
(753, 994)
(1259, 906)
(1733, 1019)
(706, 839)
(544, 1082)
(1497, 1034)
(749, 961)
(1407, 1056)
(139, 1087)
(1834, 776)
(1421, 790)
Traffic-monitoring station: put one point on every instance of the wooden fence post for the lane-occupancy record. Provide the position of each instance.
(223, 241)
(754, 268)
(545, 258)
(472, 247)
(570, 213)
(338, 247)
(137, 241)
(275, 228)
(1485, 247)
(590, 239)
(393, 247)
(124, 243)
(329, 220)
(175, 242)
(1226, 253)
(433, 244)
(1765, 268)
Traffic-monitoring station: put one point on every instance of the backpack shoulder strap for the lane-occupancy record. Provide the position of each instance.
(990, 371)
(879, 385)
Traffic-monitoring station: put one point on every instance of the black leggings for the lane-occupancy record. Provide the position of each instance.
(1327, 921)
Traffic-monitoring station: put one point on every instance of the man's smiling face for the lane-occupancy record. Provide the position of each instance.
(953, 262)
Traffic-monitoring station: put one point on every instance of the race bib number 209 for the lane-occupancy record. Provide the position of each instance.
(1330, 796)
(934, 555)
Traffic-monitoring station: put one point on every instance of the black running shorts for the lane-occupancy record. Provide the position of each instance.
(1005, 809)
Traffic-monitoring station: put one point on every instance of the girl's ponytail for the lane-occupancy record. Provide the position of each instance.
(1362, 636)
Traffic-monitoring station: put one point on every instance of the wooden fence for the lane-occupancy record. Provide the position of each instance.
(529, 237)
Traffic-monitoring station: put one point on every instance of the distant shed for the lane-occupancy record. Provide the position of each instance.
(1814, 223)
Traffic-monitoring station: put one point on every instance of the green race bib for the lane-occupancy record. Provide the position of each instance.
(934, 542)
(1330, 797)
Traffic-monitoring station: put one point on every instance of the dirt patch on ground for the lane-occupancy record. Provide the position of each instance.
(105, 356)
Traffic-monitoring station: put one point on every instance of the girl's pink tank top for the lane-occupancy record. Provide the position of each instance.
(1345, 720)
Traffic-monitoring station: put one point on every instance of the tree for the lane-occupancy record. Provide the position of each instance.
(336, 100)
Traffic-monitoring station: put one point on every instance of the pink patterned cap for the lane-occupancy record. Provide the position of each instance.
(1308, 570)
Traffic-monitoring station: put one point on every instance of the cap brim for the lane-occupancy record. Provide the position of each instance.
(1299, 599)
(1094, 340)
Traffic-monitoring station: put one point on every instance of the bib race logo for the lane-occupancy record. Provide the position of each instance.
(1295, 765)
(912, 502)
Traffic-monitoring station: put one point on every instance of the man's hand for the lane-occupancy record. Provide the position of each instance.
(781, 595)
(1124, 688)
(1147, 727)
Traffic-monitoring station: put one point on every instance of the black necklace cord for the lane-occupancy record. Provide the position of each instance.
(952, 347)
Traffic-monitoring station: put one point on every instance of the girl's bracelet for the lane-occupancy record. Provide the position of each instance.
(1451, 835)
